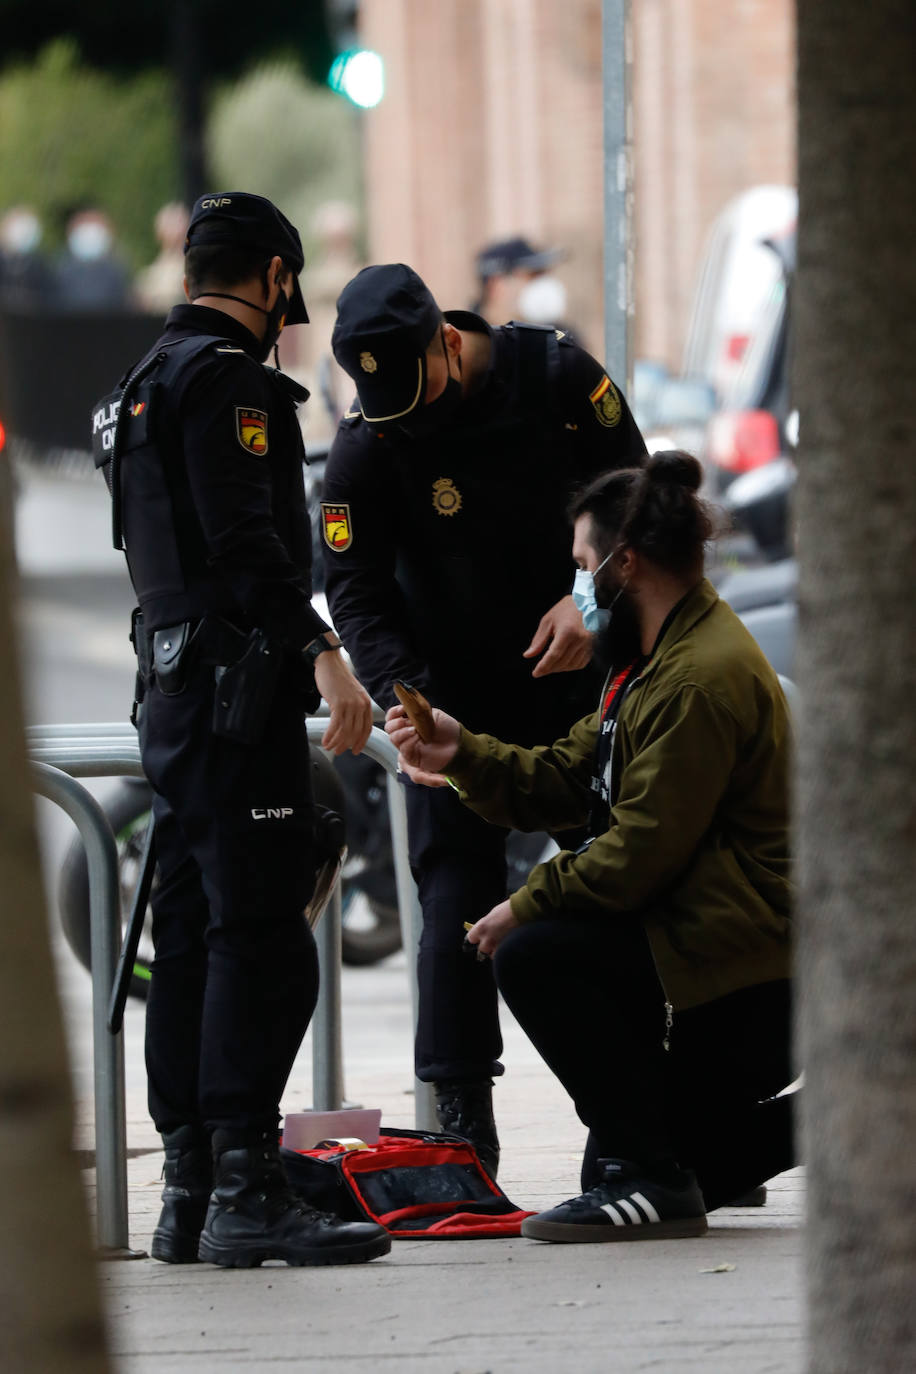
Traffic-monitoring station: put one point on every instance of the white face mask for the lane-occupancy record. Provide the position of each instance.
(21, 233)
(89, 241)
(542, 300)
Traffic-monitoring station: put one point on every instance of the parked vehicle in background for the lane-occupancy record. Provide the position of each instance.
(672, 412)
(734, 283)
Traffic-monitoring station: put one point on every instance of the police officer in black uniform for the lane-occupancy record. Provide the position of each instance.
(447, 552)
(203, 452)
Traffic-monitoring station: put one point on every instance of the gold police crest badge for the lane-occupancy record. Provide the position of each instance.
(367, 362)
(251, 429)
(446, 497)
(336, 526)
(606, 400)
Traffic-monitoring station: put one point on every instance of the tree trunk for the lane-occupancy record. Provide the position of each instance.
(50, 1319)
(854, 384)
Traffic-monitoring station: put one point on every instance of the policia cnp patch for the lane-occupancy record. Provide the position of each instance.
(251, 429)
(336, 526)
(606, 402)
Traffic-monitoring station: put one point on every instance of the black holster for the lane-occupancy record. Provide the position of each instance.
(141, 645)
(245, 691)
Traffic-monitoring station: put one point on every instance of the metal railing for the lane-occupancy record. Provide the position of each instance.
(62, 753)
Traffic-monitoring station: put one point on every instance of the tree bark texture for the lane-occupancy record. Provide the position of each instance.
(50, 1320)
(855, 384)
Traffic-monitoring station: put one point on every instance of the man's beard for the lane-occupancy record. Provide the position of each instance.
(620, 640)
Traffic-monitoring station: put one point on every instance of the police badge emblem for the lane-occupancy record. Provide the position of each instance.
(446, 497)
(336, 526)
(606, 401)
(251, 429)
(367, 362)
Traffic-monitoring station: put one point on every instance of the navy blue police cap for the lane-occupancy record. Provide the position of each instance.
(510, 255)
(386, 320)
(239, 218)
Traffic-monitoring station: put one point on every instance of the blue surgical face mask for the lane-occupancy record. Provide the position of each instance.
(595, 618)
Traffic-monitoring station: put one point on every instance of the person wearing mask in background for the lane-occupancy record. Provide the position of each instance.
(231, 655)
(650, 965)
(89, 273)
(25, 278)
(159, 285)
(447, 560)
(514, 282)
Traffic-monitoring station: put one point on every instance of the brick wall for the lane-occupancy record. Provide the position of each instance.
(492, 124)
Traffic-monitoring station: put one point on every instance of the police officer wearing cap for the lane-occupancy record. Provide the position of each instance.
(203, 452)
(448, 566)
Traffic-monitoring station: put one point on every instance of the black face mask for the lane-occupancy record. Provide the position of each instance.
(432, 417)
(276, 318)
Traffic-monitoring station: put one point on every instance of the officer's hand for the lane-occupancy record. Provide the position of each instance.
(490, 931)
(424, 762)
(570, 642)
(351, 707)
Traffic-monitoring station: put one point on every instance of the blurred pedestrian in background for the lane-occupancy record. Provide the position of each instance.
(336, 259)
(159, 286)
(25, 277)
(90, 273)
(514, 283)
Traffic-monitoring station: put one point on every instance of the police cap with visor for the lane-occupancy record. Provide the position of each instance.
(240, 219)
(386, 319)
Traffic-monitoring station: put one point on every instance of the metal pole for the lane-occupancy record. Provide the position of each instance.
(618, 191)
(327, 1045)
(411, 929)
(107, 1050)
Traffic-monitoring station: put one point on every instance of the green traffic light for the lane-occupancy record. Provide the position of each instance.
(359, 74)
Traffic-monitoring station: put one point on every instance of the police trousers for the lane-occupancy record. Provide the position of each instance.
(459, 865)
(234, 979)
(587, 994)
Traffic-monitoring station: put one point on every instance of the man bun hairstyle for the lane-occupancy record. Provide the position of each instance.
(654, 510)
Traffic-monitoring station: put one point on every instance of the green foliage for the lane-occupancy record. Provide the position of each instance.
(278, 135)
(70, 134)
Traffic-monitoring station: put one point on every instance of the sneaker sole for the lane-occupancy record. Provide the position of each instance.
(563, 1231)
(251, 1256)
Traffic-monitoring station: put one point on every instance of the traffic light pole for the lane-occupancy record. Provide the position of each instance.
(618, 191)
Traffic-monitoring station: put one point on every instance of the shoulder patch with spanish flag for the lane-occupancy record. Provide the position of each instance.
(336, 526)
(606, 400)
(251, 429)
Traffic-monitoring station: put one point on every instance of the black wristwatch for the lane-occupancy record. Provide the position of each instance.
(319, 645)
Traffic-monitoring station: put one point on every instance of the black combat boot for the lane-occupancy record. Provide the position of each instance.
(255, 1216)
(467, 1109)
(188, 1174)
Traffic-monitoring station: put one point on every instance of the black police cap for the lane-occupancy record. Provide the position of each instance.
(386, 320)
(498, 259)
(239, 218)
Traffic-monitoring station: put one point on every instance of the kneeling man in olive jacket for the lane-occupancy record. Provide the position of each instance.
(650, 966)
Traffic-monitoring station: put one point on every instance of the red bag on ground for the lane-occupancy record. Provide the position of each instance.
(418, 1185)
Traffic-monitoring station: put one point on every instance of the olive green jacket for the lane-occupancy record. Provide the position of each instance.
(698, 837)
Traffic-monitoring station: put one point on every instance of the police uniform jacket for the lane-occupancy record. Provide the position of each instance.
(443, 553)
(213, 504)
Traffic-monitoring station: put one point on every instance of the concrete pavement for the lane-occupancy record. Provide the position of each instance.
(461, 1307)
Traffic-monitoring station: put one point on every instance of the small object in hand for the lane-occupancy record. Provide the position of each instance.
(472, 950)
(419, 711)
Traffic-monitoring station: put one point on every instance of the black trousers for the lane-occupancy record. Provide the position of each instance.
(459, 864)
(235, 974)
(587, 994)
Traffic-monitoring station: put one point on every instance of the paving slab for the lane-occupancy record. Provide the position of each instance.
(462, 1307)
